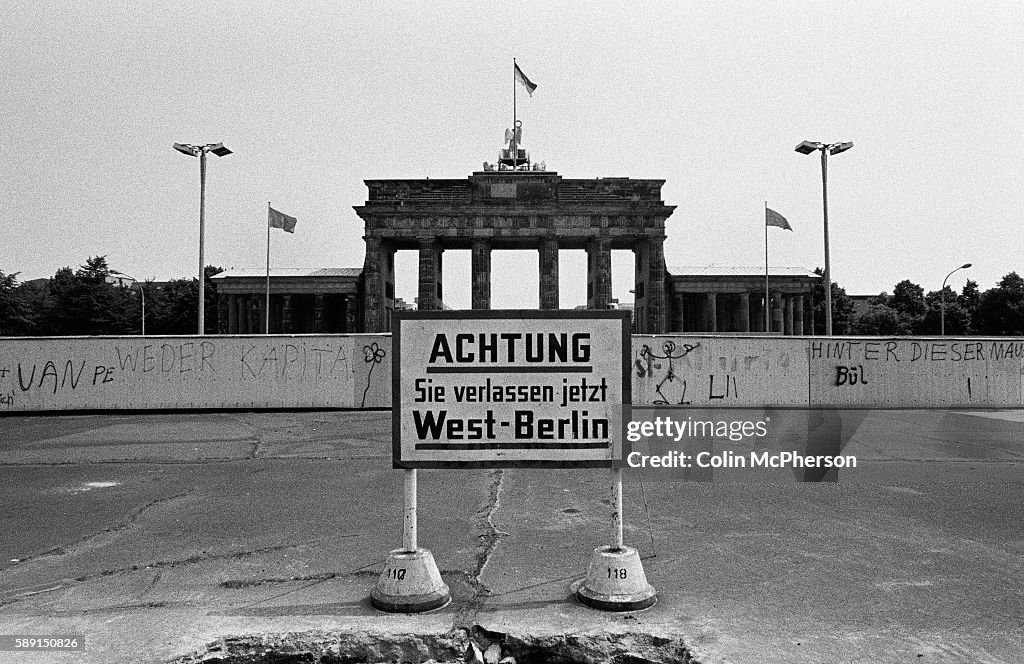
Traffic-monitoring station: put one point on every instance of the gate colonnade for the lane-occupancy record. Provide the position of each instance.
(529, 210)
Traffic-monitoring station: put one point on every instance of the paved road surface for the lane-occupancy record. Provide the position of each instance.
(156, 534)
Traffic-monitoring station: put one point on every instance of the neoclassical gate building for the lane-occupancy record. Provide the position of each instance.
(526, 210)
(533, 210)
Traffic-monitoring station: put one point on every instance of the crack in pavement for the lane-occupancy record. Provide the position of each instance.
(237, 584)
(255, 433)
(115, 608)
(152, 584)
(196, 462)
(65, 549)
(18, 594)
(487, 542)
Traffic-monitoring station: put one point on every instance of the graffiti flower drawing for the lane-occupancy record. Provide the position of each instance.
(374, 355)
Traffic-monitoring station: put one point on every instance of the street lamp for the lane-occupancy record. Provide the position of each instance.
(142, 292)
(807, 147)
(942, 306)
(200, 151)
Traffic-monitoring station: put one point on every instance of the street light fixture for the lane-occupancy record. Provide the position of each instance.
(942, 294)
(142, 292)
(807, 147)
(200, 151)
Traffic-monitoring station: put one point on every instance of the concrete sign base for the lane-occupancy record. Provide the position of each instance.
(410, 583)
(615, 581)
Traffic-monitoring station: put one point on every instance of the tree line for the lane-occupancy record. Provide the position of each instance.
(85, 302)
(92, 301)
(908, 310)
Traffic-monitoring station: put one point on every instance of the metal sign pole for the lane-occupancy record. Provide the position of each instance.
(615, 578)
(409, 538)
(410, 582)
(616, 509)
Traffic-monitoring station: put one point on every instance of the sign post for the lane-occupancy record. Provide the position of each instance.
(409, 536)
(615, 578)
(508, 389)
(410, 582)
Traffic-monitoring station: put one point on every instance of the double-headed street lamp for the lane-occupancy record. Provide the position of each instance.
(807, 147)
(142, 292)
(200, 151)
(942, 306)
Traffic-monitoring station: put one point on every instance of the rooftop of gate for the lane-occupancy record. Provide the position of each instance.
(515, 189)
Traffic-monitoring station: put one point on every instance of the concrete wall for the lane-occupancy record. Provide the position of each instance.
(354, 371)
(76, 373)
(842, 371)
(708, 370)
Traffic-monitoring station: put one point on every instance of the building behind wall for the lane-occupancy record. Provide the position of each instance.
(731, 299)
(322, 300)
(529, 210)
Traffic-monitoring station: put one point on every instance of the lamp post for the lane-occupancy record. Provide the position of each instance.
(200, 151)
(942, 300)
(807, 147)
(142, 293)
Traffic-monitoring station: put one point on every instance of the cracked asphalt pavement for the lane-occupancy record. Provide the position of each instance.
(157, 534)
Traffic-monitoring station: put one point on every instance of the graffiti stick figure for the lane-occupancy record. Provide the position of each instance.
(669, 347)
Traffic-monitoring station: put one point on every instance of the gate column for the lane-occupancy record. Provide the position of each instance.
(481, 268)
(744, 312)
(548, 274)
(430, 274)
(711, 320)
(798, 315)
(599, 274)
(375, 273)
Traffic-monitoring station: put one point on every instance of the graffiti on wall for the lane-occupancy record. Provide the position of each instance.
(730, 370)
(165, 372)
(916, 371)
(354, 371)
(647, 363)
(921, 350)
(373, 355)
(714, 371)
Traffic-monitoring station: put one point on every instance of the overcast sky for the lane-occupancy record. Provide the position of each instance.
(314, 98)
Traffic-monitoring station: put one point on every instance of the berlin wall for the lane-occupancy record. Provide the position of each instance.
(857, 372)
(110, 373)
(354, 371)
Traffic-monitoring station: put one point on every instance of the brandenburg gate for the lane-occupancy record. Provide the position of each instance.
(515, 209)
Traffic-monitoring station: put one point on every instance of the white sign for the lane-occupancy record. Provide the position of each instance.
(509, 388)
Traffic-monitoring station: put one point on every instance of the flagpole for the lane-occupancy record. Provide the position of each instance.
(267, 317)
(515, 143)
(767, 299)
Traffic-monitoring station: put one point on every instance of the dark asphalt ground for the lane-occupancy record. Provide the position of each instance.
(156, 534)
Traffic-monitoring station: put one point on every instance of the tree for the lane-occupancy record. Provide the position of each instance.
(881, 320)
(969, 296)
(908, 299)
(882, 298)
(172, 308)
(842, 308)
(35, 297)
(61, 316)
(85, 303)
(14, 313)
(958, 319)
(901, 313)
(1001, 309)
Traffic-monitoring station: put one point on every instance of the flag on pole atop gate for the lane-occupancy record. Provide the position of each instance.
(521, 77)
(773, 218)
(281, 220)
